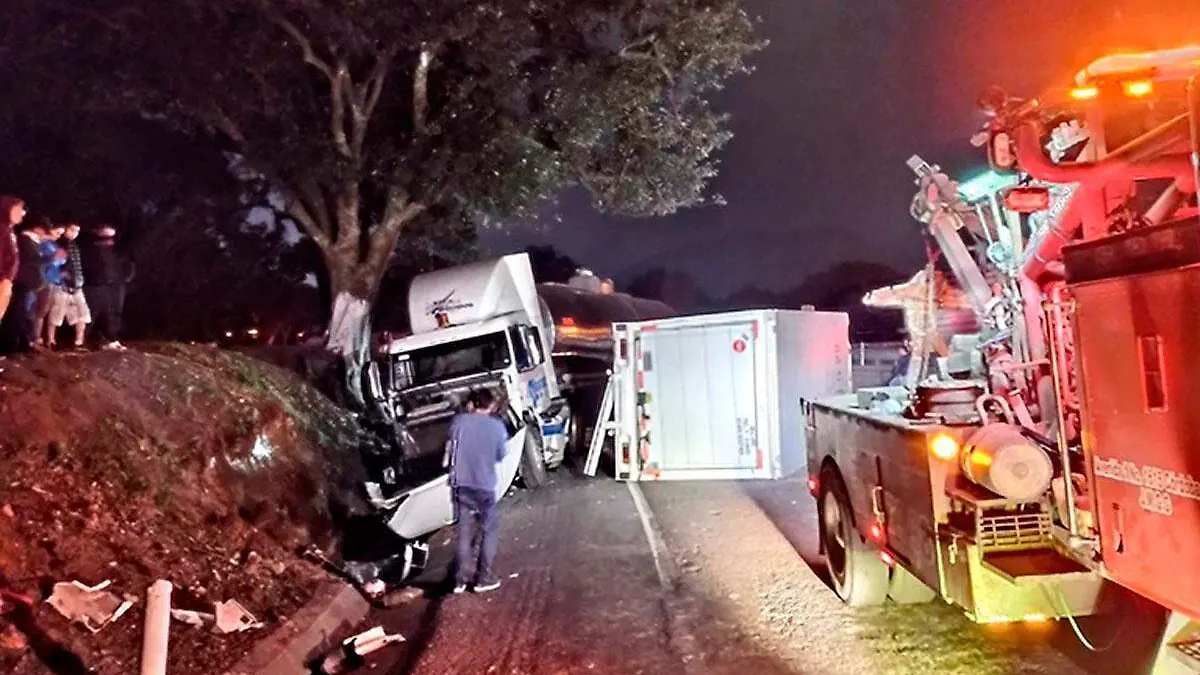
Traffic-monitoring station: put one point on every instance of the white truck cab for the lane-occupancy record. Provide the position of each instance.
(479, 326)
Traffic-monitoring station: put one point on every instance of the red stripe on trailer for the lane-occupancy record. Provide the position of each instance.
(650, 328)
(754, 328)
(641, 380)
(760, 458)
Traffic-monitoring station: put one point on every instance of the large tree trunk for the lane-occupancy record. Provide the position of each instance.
(353, 286)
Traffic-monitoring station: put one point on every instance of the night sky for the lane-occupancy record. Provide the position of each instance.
(845, 93)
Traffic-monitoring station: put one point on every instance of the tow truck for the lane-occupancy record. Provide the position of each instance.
(1056, 451)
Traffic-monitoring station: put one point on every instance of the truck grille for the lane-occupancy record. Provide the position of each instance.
(1010, 532)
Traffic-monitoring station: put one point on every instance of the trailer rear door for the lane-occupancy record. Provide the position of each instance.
(702, 393)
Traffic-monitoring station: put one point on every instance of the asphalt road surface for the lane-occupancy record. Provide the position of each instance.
(731, 592)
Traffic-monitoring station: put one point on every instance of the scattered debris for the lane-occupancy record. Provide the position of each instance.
(403, 596)
(198, 619)
(226, 617)
(15, 598)
(7, 510)
(91, 606)
(11, 639)
(231, 617)
(353, 649)
(375, 587)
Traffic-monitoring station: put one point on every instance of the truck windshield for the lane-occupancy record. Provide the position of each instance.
(478, 354)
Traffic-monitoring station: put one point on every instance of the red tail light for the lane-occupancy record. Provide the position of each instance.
(813, 485)
(875, 532)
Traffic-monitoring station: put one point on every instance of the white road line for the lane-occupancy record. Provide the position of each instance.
(658, 548)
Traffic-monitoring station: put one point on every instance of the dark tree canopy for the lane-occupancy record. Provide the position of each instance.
(550, 264)
(367, 118)
(674, 287)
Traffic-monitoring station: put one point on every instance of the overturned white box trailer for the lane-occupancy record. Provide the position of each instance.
(718, 396)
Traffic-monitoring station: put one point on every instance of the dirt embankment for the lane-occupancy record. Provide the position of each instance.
(190, 464)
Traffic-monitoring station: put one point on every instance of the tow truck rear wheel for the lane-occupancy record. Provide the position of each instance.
(859, 577)
(533, 461)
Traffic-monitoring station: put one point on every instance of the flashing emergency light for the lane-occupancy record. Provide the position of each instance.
(1027, 199)
(1138, 88)
(984, 184)
(943, 446)
(1085, 93)
(568, 321)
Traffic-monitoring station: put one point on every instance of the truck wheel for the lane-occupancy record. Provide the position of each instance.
(906, 589)
(859, 577)
(533, 462)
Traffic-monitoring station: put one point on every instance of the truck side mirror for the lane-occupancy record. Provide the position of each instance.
(1002, 157)
(536, 352)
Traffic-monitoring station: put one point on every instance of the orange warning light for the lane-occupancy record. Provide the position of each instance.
(1138, 88)
(943, 446)
(1084, 93)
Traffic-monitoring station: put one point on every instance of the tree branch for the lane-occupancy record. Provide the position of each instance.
(310, 56)
(628, 49)
(375, 82)
(340, 90)
(314, 201)
(222, 121)
(421, 91)
(398, 212)
(298, 210)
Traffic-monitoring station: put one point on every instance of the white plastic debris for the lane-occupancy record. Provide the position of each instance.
(231, 617)
(90, 606)
(199, 619)
(372, 640)
(353, 649)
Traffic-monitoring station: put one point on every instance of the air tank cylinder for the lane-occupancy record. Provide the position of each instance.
(999, 458)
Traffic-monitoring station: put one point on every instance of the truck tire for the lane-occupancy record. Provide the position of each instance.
(533, 463)
(906, 589)
(859, 577)
(576, 438)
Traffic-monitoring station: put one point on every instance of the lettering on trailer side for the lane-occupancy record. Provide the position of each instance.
(1156, 486)
(747, 437)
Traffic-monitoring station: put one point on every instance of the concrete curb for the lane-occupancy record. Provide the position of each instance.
(314, 629)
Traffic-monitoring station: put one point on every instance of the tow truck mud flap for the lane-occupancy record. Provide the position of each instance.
(430, 506)
(1024, 585)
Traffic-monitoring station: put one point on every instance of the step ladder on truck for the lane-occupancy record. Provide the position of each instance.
(1052, 459)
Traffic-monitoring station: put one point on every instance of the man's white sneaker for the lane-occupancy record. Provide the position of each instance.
(460, 589)
(484, 588)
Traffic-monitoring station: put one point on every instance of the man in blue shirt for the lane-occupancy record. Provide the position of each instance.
(477, 444)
